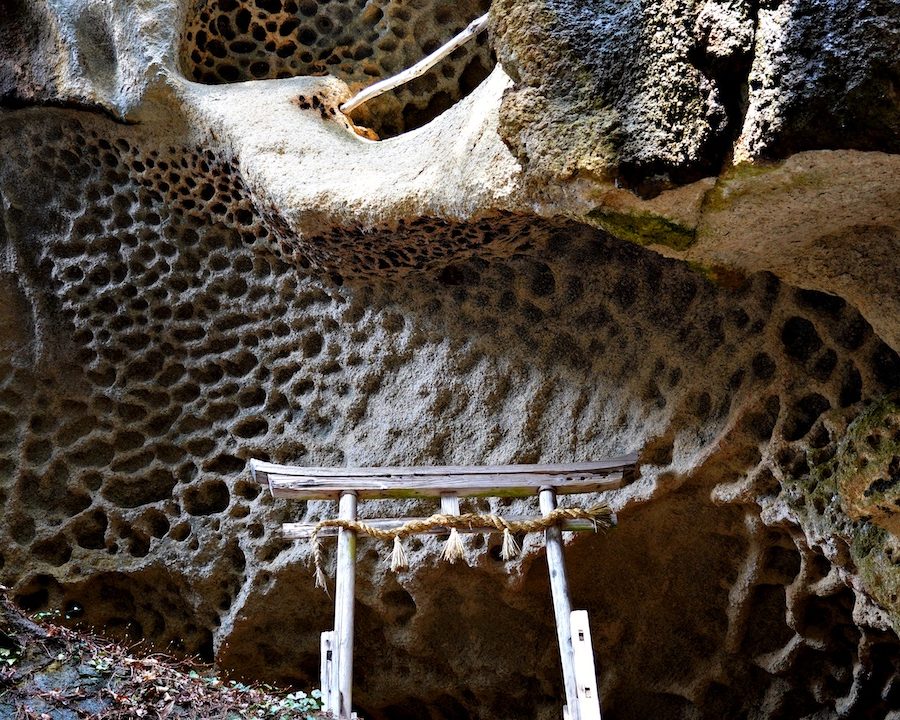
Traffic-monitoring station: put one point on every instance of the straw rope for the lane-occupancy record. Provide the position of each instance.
(599, 515)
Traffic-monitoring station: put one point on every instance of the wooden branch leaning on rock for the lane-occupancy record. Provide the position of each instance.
(420, 68)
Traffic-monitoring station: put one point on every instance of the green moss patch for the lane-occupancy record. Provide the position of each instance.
(868, 471)
(643, 228)
(850, 493)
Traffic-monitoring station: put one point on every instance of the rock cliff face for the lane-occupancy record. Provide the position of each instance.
(665, 227)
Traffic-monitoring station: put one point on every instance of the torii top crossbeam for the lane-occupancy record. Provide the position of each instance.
(323, 483)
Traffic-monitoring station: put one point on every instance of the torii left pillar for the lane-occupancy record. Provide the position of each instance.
(339, 695)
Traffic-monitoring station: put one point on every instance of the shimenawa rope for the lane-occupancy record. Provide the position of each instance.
(599, 515)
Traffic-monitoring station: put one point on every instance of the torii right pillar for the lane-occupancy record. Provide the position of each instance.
(572, 631)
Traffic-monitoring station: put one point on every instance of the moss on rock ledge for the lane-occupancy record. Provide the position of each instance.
(643, 228)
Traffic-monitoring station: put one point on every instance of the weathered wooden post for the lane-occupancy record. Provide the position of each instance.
(585, 674)
(342, 690)
(562, 603)
(326, 669)
(449, 504)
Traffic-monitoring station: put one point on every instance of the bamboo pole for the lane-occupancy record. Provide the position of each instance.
(420, 68)
(562, 603)
(343, 611)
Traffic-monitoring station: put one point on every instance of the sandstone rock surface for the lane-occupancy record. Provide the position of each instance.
(656, 227)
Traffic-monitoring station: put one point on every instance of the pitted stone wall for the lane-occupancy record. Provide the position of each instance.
(196, 273)
(360, 42)
(153, 342)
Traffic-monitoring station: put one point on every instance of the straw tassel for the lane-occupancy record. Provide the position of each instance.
(510, 548)
(399, 561)
(453, 549)
(320, 580)
(317, 556)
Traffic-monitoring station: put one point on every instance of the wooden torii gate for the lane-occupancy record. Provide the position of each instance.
(449, 483)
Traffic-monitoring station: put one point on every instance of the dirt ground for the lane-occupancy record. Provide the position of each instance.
(49, 672)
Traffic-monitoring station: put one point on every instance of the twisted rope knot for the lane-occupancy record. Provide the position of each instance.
(599, 515)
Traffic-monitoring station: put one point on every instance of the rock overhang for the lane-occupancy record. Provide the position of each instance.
(329, 188)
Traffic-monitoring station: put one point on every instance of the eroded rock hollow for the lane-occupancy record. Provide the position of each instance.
(666, 227)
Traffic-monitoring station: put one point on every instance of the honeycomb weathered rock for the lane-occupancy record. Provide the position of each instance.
(358, 41)
(167, 345)
(234, 274)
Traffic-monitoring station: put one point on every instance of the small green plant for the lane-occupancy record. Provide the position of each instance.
(10, 656)
(101, 663)
(297, 705)
(291, 704)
